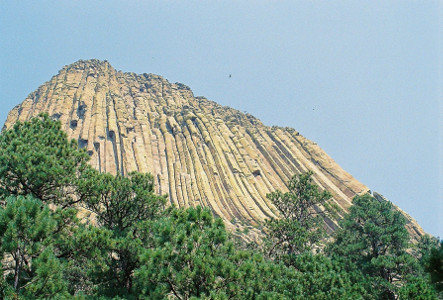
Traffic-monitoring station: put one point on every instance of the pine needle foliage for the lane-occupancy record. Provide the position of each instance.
(37, 159)
(132, 247)
(299, 225)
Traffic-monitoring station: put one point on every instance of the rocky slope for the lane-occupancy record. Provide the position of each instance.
(199, 152)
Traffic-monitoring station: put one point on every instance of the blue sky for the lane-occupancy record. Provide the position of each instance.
(360, 78)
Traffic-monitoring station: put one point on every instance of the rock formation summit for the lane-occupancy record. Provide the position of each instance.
(200, 153)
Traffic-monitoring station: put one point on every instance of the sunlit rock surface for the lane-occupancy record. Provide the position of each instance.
(200, 153)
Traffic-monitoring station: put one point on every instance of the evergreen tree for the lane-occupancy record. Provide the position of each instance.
(319, 277)
(136, 249)
(433, 264)
(119, 204)
(417, 287)
(191, 257)
(28, 234)
(37, 159)
(300, 222)
(87, 255)
(373, 240)
(311, 276)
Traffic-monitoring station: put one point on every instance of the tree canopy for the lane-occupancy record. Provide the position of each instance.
(70, 232)
(373, 240)
(37, 159)
(299, 225)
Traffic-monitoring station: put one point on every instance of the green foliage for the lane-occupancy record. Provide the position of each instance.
(125, 259)
(318, 277)
(136, 249)
(423, 248)
(417, 288)
(37, 159)
(300, 224)
(374, 240)
(6, 290)
(28, 232)
(191, 256)
(433, 263)
(48, 280)
(87, 255)
(120, 202)
(311, 276)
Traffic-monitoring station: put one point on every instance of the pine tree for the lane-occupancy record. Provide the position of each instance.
(373, 240)
(191, 256)
(300, 217)
(37, 159)
(433, 264)
(28, 234)
(119, 204)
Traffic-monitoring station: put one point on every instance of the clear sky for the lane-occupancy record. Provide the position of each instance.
(360, 78)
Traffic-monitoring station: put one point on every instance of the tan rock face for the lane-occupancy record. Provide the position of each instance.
(200, 153)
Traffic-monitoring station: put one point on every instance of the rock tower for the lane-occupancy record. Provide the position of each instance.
(200, 153)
